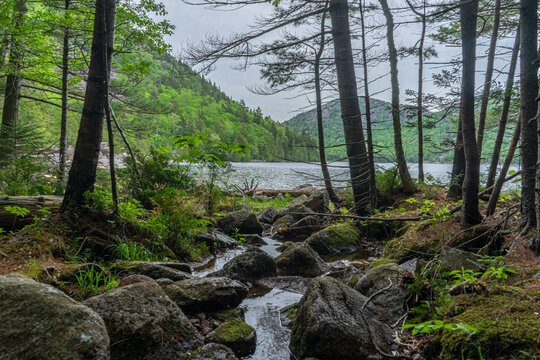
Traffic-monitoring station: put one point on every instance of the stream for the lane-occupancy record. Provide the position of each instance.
(262, 312)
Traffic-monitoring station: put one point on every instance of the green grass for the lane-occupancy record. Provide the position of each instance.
(259, 205)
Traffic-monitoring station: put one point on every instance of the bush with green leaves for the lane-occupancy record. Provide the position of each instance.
(91, 280)
(133, 251)
(388, 181)
(28, 176)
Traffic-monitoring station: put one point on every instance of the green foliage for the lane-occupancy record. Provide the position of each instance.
(500, 272)
(27, 176)
(259, 205)
(237, 236)
(91, 280)
(463, 275)
(430, 326)
(17, 210)
(130, 250)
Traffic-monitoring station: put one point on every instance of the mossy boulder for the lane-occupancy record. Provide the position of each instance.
(426, 238)
(213, 351)
(205, 294)
(228, 314)
(268, 215)
(41, 322)
(507, 320)
(288, 315)
(300, 259)
(237, 335)
(342, 238)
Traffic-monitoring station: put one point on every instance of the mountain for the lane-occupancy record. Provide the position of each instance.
(437, 139)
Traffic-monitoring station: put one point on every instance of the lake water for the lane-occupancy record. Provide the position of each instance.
(289, 175)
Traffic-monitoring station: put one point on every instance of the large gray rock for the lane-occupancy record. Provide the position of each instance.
(254, 264)
(455, 259)
(389, 282)
(297, 211)
(216, 240)
(38, 321)
(300, 259)
(300, 230)
(318, 201)
(243, 220)
(206, 294)
(213, 351)
(236, 335)
(332, 323)
(154, 270)
(268, 215)
(143, 323)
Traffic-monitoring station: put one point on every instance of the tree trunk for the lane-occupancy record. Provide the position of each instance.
(408, 185)
(488, 77)
(468, 16)
(350, 109)
(420, 110)
(504, 113)
(458, 167)
(82, 174)
(371, 155)
(31, 203)
(12, 92)
(65, 90)
(320, 130)
(492, 203)
(529, 92)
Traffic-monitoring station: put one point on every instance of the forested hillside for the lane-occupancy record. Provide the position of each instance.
(170, 99)
(439, 136)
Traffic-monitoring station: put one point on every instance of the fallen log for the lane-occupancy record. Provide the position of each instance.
(273, 193)
(8, 220)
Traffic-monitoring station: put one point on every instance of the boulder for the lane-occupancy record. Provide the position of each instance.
(300, 230)
(332, 323)
(213, 351)
(348, 274)
(342, 238)
(389, 282)
(175, 265)
(253, 239)
(252, 265)
(298, 211)
(268, 215)
(300, 259)
(206, 294)
(282, 222)
(318, 201)
(295, 284)
(41, 322)
(243, 220)
(237, 335)
(287, 315)
(143, 323)
(216, 240)
(455, 259)
(154, 270)
(228, 314)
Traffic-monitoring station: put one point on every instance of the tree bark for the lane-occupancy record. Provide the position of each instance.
(488, 77)
(495, 193)
(82, 174)
(12, 92)
(458, 167)
(529, 92)
(371, 155)
(408, 185)
(504, 113)
(65, 93)
(420, 110)
(320, 130)
(468, 17)
(350, 109)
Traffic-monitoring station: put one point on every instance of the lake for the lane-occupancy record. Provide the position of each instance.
(289, 175)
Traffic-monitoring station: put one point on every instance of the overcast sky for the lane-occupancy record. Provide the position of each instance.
(193, 23)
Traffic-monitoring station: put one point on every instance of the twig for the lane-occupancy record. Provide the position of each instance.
(3, 254)
(366, 218)
(377, 293)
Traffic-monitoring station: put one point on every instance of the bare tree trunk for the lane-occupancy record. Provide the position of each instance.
(492, 203)
(408, 185)
(320, 130)
(468, 17)
(82, 174)
(12, 92)
(488, 77)
(458, 167)
(371, 155)
(65, 90)
(350, 109)
(504, 113)
(529, 92)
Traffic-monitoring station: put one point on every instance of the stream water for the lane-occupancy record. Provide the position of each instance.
(262, 312)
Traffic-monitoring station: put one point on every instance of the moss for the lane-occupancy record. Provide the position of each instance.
(508, 323)
(232, 331)
(353, 280)
(381, 261)
(343, 234)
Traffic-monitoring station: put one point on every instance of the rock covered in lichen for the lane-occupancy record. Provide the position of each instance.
(237, 335)
(336, 239)
(300, 259)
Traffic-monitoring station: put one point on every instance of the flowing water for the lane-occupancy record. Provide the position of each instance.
(262, 312)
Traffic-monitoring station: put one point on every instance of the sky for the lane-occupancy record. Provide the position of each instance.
(194, 23)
